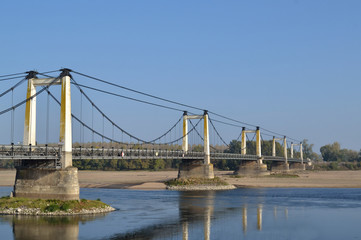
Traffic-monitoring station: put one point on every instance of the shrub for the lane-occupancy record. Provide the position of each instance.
(52, 208)
(65, 207)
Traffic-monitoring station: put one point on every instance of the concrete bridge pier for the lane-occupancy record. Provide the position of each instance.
(297, 166)
(47, 183)
(252, 167)
(54, 182)
(190, 168)
(279, 166)
(195, 169)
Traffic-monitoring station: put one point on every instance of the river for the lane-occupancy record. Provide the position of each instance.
(266, 213)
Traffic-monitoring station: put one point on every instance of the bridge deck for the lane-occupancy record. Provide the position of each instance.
(21, 152)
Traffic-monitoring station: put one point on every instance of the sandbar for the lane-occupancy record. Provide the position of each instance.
(153, 180)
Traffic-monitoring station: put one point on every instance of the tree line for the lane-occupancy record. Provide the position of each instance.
(334, 153)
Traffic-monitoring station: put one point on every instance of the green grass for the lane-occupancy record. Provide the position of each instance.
(50, 205)
(282, 175)
(196, 181)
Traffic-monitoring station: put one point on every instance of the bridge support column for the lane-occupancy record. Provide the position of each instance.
(185, 132)
(30, 112)
(65, 121)
(243, 142)
(273, 146)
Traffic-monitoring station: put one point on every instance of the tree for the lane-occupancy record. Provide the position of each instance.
(308, 152)
(234, 147)
(334, 153)
(331, 152)
(197, 148)
(158, 164)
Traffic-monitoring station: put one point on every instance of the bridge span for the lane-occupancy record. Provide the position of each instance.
(45, 170)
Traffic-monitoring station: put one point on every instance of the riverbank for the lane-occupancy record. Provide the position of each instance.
(147, 180)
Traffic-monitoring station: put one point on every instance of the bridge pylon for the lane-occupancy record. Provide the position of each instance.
(190, 168)
(280, 166)
(297, 165)
(44, 177)
(252, 167)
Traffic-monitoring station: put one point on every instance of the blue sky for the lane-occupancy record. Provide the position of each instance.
(289, 66)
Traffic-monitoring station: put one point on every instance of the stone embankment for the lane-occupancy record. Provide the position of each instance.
(38, 212)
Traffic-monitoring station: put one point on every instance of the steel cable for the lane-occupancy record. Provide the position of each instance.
(136, 91)
(210, 120)
(31, 97)
(13, 87)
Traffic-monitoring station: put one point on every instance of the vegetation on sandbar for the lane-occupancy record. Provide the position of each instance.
(50, 205)
(282, 175)
(196, 181)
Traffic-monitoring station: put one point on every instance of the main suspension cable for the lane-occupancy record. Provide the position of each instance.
(173, 102)
(14, 74)
(136, 91)
(13, 87)
(10, 78)
(113, 123)
(130, 98)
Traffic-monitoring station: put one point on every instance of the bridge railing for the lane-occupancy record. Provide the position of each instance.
(113, 153)
(28, 152)
(281, 159)
(274, 158)
(294, 160)
(20, 152)
(233, 156)
(29, 156)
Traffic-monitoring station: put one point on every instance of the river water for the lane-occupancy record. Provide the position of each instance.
(270, 213)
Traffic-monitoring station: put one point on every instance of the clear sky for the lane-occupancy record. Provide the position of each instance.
(288, 66)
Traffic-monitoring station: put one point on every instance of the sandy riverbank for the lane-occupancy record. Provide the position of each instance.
(154, 180)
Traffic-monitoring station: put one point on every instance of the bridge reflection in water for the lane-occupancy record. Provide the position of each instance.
(45, 227)
(197, 207)
(201, 215)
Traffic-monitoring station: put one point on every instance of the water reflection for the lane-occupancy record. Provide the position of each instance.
(45, 227)
(259, 217)
(199, 212)
(185, 230)
(244, 218)
(195, 207)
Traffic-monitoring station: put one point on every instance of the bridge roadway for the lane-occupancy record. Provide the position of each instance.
(24, 152)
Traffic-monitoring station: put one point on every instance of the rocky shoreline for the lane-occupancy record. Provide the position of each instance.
(38, 212)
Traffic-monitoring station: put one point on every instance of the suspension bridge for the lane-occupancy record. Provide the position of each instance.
(90, 121)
